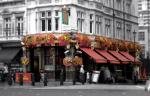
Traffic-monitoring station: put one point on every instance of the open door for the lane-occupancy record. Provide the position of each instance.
(36, 69)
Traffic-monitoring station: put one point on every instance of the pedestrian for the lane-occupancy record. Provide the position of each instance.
(82, 75)
(107, 75)
(41, 75)
(10, 78)
(5, 72)
(88, 77)
(135, 77)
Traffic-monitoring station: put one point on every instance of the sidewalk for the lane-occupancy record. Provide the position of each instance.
(37, 84)
(69, 85)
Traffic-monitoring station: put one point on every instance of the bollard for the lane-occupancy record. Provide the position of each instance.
(21, 79)
(45, 79)
(32, 79)
(61, 77)
(74, 79)
(90, 78)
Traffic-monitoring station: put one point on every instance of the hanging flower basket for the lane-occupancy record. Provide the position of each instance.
(50, 39)
(77, 60)
(64, 39)
(68, 61)
(104, 42)
(114, 45)
(28, 41)
(40, 39)
(83, 40)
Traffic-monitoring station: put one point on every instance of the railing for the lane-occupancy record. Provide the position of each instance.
(11, 34)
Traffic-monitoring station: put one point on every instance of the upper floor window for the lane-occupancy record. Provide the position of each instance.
(81, 2)
(108, 27)
(118, 30)
(57, 1)
(91, 23)
(56, 19)
(7, 27)
(80, 20)
(44, 1)
(118, 4)
(128, 32)
(128, 7)
(19, 26)
(46, 21)
(141, 36)
(108, 3)
(43, 14)
(98, 24)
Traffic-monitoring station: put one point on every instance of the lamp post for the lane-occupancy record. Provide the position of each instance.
(134, 34)
(148, 29)
(135, 72)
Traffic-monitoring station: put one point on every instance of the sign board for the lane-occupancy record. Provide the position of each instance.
(26, 77)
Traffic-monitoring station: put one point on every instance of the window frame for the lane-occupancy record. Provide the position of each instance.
(46, 19)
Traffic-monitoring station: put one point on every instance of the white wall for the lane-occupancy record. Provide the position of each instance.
(31, 22)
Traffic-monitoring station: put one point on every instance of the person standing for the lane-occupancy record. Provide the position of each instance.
(82, 75)
(135, 77)
(5, 72)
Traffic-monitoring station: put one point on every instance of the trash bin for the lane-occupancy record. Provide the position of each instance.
(95, 76)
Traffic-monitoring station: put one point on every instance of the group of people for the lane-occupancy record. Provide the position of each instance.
(4, 73)
(7, 75)
(104, 76)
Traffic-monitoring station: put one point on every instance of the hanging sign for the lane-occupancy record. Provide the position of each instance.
(25, 60)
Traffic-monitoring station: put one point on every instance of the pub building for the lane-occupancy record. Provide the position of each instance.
(65, 52)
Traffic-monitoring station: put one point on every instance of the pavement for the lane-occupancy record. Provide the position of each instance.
(54, 89)
(69, 85)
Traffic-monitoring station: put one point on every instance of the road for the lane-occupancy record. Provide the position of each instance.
(77, 90)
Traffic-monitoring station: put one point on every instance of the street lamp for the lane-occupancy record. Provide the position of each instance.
(134, 34)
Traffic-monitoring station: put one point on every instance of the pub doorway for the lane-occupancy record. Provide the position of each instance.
(36, 69)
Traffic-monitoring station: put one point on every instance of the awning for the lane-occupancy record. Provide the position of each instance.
(8, 54)
(120, 57)
(108, 56)
(130, 57)
(94, 55)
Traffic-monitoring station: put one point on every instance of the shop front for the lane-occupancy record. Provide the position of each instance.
(61, 55)
(10, 54)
